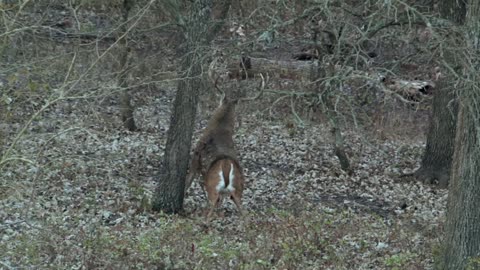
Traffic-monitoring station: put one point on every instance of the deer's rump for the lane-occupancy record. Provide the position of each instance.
(226, 160)
(225, 176)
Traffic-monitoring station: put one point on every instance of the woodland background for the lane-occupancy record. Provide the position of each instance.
(77, 181)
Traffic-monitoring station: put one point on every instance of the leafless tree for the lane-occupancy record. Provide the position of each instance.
(197, 36)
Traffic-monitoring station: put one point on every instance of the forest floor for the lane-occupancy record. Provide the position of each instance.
(80, 196)
(86, 204)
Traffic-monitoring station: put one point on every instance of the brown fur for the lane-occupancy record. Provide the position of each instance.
(213, 179)
(216, 141)
(215, 152)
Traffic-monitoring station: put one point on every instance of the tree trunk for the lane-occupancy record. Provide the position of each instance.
(126, 109)
(462, 240)
(453, 10)
(338, 141)
(327, 93)
(437, 158)
(170, 190)
(462, 249)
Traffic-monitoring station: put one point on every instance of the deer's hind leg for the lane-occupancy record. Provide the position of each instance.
(213, 201)
(236, 185)
(213, 182)
(236, 198)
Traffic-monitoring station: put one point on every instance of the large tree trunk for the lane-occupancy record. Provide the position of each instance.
(437, 158)
(462, 247)
(462, 241)
(170, 190)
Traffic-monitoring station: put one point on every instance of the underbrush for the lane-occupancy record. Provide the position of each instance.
(274, 239)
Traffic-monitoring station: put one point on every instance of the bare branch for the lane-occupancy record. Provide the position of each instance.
(260, 89)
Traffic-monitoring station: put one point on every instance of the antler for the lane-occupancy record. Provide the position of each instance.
(211, 71)
(260, 89)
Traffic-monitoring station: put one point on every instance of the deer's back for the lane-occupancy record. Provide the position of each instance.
(218, 145)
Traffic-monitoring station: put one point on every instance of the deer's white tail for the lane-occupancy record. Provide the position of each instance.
(224, 177)
(226, 182)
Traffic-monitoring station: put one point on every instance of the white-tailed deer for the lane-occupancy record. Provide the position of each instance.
(215, 157)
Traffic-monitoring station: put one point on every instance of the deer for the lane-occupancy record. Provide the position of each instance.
(215, 157)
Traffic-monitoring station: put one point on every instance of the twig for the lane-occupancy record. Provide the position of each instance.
(13, 223)
(6, 265)
(294, 112)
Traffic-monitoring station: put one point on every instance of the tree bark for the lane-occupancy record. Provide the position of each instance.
(170, 190)
(126, 109)
(328, 95)
(453, 10)
(437, 158)
(462, 240)
(462, 249)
